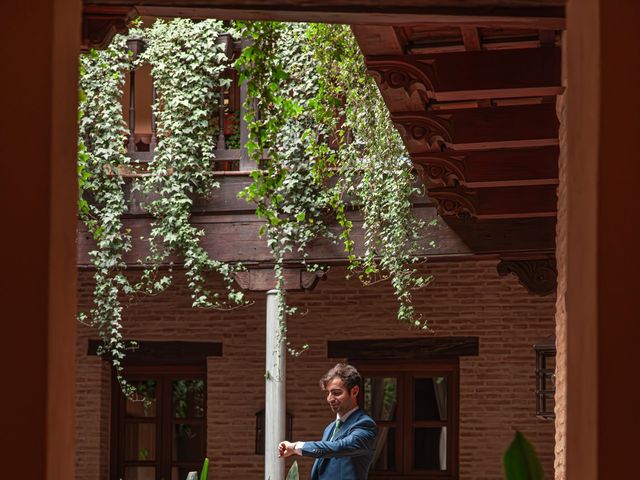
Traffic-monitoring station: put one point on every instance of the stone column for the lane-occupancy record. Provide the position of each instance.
(275, 391)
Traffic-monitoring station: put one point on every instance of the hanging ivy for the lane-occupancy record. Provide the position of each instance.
(187, 63)
(320, 115)
(101, 154)
(318, 128)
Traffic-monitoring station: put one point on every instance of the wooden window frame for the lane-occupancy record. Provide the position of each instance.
(163, 419)
(405, 372)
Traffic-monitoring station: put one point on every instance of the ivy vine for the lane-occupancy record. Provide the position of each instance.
(187, 65)
(321, 117)
(101, 155)
(318, 129)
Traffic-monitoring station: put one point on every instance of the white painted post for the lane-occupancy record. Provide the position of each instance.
(275, 392)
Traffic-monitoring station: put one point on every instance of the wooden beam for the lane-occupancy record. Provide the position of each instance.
(470, 38)
(479, 129)
(493, 203)
(379, 40)
(415, 348)
(410, 80)
(235, 238)
(101, 23)
(497, 235)
(489, 168)
(545, 14)
(547, 37)
(151, 352)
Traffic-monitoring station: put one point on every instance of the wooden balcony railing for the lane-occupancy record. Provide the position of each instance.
(232, 129)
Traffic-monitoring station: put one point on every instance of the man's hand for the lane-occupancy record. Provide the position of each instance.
(286, 449)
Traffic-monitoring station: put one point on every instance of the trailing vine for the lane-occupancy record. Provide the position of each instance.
(374, 168)
(320, 116)
(187, 63)
(101, 154)
(318, 128)
(291, 199)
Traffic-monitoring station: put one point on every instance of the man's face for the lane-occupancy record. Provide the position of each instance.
(339, 398)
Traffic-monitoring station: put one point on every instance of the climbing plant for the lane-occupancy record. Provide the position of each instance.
(318, 129)
(101, 155)
(320, 116)
(187, 62)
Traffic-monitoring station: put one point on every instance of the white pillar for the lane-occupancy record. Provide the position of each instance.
(275, 401)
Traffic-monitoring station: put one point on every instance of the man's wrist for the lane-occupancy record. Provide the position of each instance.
(297, 447)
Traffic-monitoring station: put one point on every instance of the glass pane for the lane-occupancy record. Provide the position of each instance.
(430, 398)
(550, 361)
(143, 401)
(384, 458)
(381, 397)
(139, 473)
(187, 443)
(140, 441)
(181, 473)
(430, 448)
(188, 398)
(548, 403)
(548, 381)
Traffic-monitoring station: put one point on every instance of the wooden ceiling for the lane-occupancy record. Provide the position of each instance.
(476, 106)
(471, 86)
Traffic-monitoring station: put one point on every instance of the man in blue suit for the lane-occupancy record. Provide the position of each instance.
(348, 443)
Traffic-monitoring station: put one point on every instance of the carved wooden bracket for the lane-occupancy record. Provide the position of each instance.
(409, 76)
(538, 276)
(101, 23)
(443, 170)
(263, 279)
(455, 202)
(423, 133)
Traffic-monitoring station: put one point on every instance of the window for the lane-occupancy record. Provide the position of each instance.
(545, 378)
(161, 432)
(416, 408)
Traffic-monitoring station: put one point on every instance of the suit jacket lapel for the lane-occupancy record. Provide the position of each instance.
(345, 426)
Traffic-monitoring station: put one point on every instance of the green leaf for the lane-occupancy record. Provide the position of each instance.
(520, 460)
(205, 469)
(293, 472)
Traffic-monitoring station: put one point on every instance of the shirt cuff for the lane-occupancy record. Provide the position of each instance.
(298, 448)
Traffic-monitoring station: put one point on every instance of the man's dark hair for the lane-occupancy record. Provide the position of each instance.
(345, 372)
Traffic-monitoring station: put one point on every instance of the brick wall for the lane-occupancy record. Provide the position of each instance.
(466, 298)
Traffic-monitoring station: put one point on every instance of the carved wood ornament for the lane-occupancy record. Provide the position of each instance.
(455, 202)
(101, 23)
(423, 133)
(443, 170)
(538, 276)
(411, 77)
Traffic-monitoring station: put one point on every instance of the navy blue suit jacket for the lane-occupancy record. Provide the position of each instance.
(349, 455)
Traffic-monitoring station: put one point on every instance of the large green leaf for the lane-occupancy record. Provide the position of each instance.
(205, 469)
(520, 461)
(293, 472)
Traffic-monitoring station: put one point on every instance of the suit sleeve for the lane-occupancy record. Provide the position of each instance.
(358, 442)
